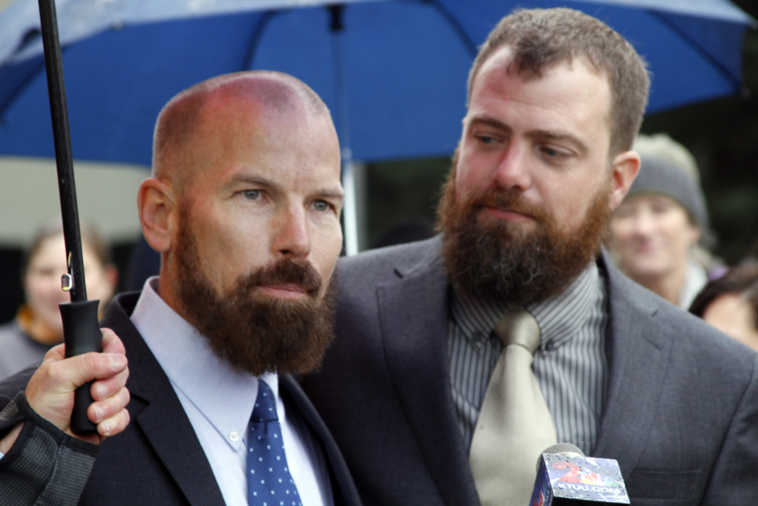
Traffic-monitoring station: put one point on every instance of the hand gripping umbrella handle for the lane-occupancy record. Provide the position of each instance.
(81, 334)
(80, 326)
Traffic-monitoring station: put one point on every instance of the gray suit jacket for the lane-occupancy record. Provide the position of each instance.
(681, 414)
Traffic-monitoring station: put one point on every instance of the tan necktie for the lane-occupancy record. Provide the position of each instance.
(514, 424)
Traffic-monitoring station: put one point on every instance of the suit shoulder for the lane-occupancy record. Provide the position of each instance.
(636, 305)
(398, 259)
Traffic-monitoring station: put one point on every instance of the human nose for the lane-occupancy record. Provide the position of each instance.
(644, 222)
(292, 237)
(512, 169)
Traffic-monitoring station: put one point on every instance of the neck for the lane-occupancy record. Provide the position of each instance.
(167, 290)
(37, 329)
(669, 286)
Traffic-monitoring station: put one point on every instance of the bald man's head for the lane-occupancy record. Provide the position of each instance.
(244, 207)
(199, 116)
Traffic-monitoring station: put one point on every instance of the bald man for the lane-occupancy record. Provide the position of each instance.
(243, 206)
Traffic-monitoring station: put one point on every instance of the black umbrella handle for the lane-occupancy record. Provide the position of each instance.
(80, 326)
(81, 334)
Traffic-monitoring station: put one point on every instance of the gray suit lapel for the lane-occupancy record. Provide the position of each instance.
(413, 312)
(638, 356)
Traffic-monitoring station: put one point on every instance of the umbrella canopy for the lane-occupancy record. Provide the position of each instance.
(392, 72)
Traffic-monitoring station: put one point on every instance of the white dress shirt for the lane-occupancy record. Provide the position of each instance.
(218, 400)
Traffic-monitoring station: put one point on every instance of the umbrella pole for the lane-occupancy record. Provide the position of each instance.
(80, 326)
(350, 210)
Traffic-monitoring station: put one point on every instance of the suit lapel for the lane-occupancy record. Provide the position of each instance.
(638, 357)
(414, 311)
(158, 413)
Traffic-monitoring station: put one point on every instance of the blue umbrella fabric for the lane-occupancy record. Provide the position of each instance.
(392, 72)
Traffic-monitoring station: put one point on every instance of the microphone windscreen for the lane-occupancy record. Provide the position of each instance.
(562, 448)
(565, 476)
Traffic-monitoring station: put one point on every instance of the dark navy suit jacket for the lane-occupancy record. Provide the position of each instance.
(158, 459)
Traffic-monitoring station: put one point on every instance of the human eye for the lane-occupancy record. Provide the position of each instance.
(251, 194)
(322, 205)
(487, 137)
(553, 153)
(661, 206)
(625, 210)
(252, 197)
(46, 271)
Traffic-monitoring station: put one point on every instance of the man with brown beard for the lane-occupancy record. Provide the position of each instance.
(555, 99)
(243, 205)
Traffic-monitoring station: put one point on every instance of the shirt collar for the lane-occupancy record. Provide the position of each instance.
(193, 367)
(558, 317)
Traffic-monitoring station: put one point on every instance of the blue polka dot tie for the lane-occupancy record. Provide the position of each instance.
(269, 482)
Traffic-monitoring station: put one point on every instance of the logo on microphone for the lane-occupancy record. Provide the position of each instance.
(571, 476)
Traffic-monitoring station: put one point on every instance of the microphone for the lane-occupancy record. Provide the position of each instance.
(566, 477)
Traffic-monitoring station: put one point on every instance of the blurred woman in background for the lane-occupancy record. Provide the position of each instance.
(730, 303)
(38, 325)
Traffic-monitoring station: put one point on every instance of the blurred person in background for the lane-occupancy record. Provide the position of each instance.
(38, 325)
(730, 303)
(658, 233)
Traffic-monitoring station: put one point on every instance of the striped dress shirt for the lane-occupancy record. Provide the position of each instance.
(570, 364)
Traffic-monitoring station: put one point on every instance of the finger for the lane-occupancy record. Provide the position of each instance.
(107, 408)
(57, 352)
(111, 342)
(104, 388)
(67, 375)
(114, 424)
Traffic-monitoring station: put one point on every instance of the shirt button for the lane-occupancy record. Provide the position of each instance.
(234, 436)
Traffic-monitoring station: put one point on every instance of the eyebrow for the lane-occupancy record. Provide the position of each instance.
(332, 193)
(254, 180)
(541, 134)
(487, 121)
(552, 135)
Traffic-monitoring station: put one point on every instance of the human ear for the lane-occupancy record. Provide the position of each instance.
(155, 202)
(625, 167)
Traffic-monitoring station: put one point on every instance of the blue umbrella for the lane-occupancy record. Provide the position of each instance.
(392, 72)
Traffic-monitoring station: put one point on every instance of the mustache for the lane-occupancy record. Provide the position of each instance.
(510, 200)
(286, 271)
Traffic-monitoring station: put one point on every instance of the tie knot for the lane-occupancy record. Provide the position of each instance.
(265, 404)
(519, 327)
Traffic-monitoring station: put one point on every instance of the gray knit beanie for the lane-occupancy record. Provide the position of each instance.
(667, 171)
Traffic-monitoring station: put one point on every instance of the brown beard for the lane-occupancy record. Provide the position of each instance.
(252, 332)
(502, 262)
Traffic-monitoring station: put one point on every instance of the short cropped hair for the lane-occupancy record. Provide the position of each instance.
(177, 119)
(543, 38)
